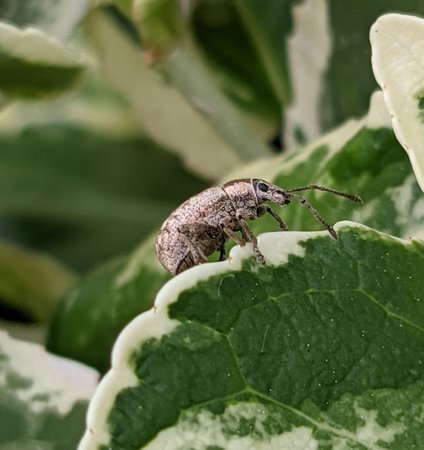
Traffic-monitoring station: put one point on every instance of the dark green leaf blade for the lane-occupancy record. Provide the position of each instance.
(320, 348)
(43, 398)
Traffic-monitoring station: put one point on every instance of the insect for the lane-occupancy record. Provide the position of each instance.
(203, 223)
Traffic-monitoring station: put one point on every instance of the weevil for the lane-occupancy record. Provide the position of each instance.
(203, 223)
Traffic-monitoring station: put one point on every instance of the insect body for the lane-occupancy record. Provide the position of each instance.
(202, 224)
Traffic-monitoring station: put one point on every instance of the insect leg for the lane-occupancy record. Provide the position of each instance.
(188, 233)
(244, 235)
(222, 253)
(315, 213)
(232, 235)
(259, 256)
(282, 224)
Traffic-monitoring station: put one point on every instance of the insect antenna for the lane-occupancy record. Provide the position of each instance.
(315, 213)
(315, 187)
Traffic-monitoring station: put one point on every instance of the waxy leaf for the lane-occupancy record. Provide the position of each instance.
(363, 157)
(152, 99)
(329, 62)
(85, 195)
(398, 45)
(33, 64)
(252, 67)
(31, 282)
(57, 18)
(320, 348)
(43, 398)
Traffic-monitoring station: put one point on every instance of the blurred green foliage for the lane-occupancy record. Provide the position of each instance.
(114, 113)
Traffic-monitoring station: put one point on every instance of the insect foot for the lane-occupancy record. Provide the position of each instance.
(203, 223)
(260, 259)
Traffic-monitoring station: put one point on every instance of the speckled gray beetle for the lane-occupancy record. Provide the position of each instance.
(202, 224)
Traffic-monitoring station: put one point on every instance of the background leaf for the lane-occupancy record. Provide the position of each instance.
(350, 27)
(310, 348)
(152, 98)
(55, 17)
(43, 398)
(33, 64)
(361, 157)
(330, 70)
(84, 196)
(31, 283)
(166, 32)
(396, 40)
(92, 314)
(243, 40)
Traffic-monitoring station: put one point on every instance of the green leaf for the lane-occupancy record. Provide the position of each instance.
(319, 348)
(396, 42)
(43, 398)
(55, 17)
(85, 196)
(161, 24)
(32, 64)
(94, 105)
(93, 313)
(31, 282)
(185, 131)
(267, 24)
(330, 67)
(361, 157)
(245, 42)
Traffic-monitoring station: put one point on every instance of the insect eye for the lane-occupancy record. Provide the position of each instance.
(263, 187)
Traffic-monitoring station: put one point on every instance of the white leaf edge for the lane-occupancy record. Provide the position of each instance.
(377, 117)
(65, 381)
(155, 323)
(35, 46)
(397, 43)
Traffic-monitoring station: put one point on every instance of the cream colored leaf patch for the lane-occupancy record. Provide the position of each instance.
(398, 62)
(34, 64)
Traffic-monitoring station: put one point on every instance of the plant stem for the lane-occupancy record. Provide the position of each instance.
(189, 73)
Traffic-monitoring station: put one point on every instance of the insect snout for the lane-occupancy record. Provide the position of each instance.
(281, 198)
